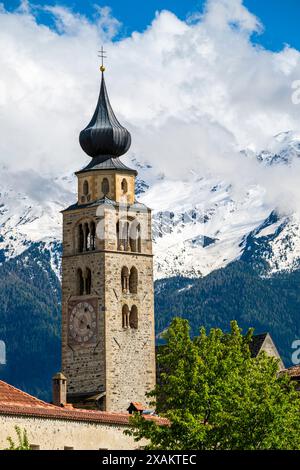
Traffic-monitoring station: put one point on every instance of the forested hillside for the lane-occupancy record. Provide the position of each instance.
(235, 292)
(30, 321)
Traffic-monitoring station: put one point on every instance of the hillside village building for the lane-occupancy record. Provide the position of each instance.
(54, 427)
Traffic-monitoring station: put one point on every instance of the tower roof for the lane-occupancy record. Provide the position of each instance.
(109, 164)
(104, 137)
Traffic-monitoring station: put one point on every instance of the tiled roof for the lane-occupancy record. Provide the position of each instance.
(12, 396)
(15, 402)
(137, 405)
(105, 201)
(108, 164)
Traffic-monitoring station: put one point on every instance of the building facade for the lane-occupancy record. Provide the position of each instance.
(108, 342)
(52, 427)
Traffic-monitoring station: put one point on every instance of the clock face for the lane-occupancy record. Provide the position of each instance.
(82, 322)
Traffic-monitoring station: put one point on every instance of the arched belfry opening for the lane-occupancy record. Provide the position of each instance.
(80, 282)
(135, 236)
(86, 233)
(92, 236)
(83, 281)
(85, 188)
(86, 236)
(124, 186)
(125, 316)
(125, 279)
(133, 317)
(122, 229)
(133, 280)
(80, 238)
(105, 186)
(88, 281)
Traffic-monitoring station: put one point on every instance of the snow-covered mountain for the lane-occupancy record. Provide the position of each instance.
(198, 226)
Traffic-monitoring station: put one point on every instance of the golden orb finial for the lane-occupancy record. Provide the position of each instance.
(102, 56)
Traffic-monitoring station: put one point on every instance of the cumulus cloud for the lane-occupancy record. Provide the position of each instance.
(193, 93)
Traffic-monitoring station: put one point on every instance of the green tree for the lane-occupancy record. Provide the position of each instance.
(22, 443)
(217, 397)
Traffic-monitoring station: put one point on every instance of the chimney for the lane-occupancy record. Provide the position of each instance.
(59, 389)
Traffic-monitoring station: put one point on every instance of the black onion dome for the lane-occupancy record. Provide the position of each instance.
(104, 137)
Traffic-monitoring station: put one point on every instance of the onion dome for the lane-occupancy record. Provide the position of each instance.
(104, 137)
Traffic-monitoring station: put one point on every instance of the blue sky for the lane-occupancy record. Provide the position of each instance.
(279, 17)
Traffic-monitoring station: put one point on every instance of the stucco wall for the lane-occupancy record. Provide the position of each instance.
(53, 434)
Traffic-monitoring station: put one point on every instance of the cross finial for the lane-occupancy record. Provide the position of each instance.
(102, 55)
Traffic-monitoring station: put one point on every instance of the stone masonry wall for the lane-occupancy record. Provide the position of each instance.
(84, 365)
(130, 361)
(55, 434)
(122, 360)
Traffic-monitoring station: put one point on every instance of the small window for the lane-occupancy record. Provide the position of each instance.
(124, 186)
(125, 316)
(85, 188)
(68, 448)
(133, 317)
(92, 236)
(124, 279)
(88, 281)
(80, 282)
(86, 237)
(105, 186)
(133, 280)
(135, 236)
(122, 230)
(80, 238)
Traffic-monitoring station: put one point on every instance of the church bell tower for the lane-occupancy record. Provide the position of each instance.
(108, 344)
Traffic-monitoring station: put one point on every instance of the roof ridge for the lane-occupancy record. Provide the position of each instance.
(75, 414)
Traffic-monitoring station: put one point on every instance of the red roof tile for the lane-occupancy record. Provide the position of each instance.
(15, 402)
(10, 395)
(138, 406)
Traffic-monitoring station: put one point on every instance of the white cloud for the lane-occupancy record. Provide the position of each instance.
(192, 93)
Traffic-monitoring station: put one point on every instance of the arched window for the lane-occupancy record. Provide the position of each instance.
(139, 239)
(125, 316)
(92, 236)
(118, 236)
(80, 282)
(124, 279)
(86, 236)
(80, 238)
(88, 281)
(105, 186)
(133, 317)
(124, 185)
(122, 234)
(135, 236)
(133, 280)
(85, 187)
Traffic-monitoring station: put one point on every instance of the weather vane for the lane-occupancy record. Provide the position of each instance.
(102, 55)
